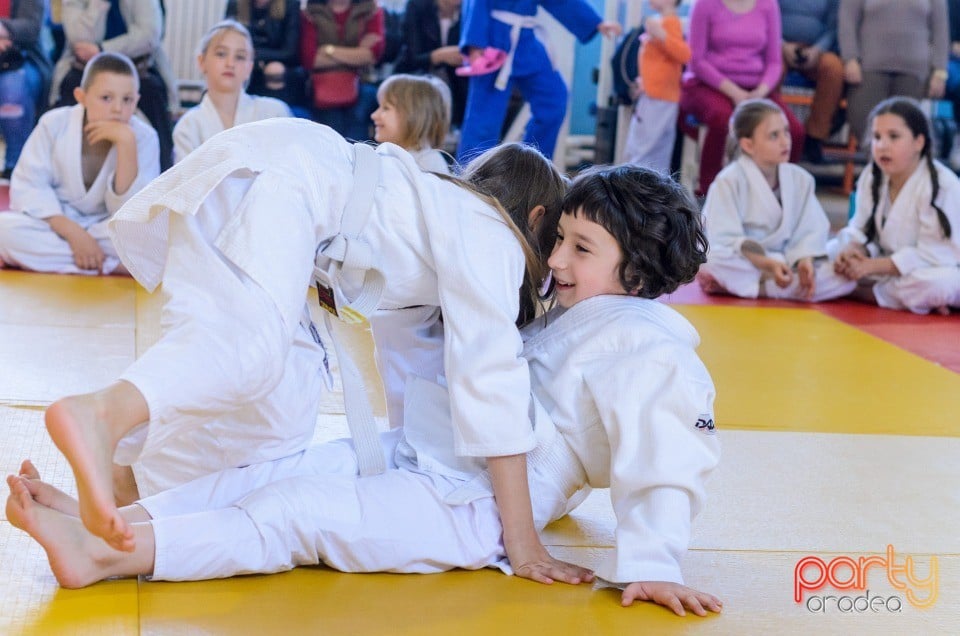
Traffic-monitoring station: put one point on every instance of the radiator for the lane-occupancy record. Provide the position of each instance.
(186, 22)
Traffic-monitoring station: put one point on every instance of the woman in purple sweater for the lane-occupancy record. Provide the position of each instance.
(736, 55)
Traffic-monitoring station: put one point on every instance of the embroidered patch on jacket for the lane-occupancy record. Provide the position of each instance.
(705, 424)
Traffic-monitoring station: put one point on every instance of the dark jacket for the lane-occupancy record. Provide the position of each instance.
(273, 40)
(421, 31)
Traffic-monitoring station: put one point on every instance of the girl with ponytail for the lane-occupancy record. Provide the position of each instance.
(903, 243)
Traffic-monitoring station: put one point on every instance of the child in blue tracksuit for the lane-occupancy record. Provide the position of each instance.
(508, 25)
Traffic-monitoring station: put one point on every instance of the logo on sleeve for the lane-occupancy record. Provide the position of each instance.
(705, 424)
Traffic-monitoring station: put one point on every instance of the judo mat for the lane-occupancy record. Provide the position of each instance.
(840, 443)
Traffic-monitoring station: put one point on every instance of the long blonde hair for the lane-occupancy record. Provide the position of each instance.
(423, 102)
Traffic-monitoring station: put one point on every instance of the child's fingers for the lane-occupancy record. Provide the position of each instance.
(565, 573)
(711, 602)
(581, 574)
(630, 594)
(692, 602)
(534, 572)
(699, 602)
(671, 601)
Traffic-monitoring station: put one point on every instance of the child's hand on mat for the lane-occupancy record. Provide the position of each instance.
(672, 596)
(535, 563)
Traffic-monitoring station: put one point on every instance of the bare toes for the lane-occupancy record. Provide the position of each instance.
(28, 470)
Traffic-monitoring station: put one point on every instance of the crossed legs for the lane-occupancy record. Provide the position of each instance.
(76, 557)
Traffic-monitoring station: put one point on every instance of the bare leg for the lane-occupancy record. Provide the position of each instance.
(76, 557)
(52, 497)
(86, 429)
(125, 491)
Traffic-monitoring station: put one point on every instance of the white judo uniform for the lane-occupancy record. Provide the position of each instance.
(621, 400)
(203, 122)
(48, 181)
(909, 232)
(741, 207)
(233, 232)
(431, 160)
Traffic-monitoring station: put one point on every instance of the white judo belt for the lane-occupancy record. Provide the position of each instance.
(349, 253)
(516, 23)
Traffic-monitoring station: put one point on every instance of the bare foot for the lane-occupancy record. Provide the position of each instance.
(47, 494)
(709, 284)
(79, 430)
(70, 548)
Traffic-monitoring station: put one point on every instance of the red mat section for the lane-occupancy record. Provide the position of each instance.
(935, 338)
(4, 197)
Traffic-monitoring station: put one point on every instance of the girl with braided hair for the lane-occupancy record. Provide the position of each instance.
(902, 243)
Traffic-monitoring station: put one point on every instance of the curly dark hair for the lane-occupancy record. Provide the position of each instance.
(652, 218)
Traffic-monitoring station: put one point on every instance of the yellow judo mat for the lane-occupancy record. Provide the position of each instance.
(837, 447)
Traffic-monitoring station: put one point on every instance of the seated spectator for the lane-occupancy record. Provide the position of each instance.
(891, 48)
(130, 27)
(27, 76)
(339, 40)
(767, 230)
(226, 60)
(274, 26)
(901, 244)
(809, 47)
(431, 30)
(735, 56)
(79, 165)
(952, 91)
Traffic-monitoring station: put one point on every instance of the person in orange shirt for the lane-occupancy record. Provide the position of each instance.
(653, 127)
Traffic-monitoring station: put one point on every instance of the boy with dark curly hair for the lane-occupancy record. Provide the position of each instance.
(618, 373)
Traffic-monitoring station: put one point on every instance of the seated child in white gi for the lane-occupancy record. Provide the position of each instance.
(767, 230)
(225, 58)
(902, 244)
(620, 400)
(414, 113)
(79, 165)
